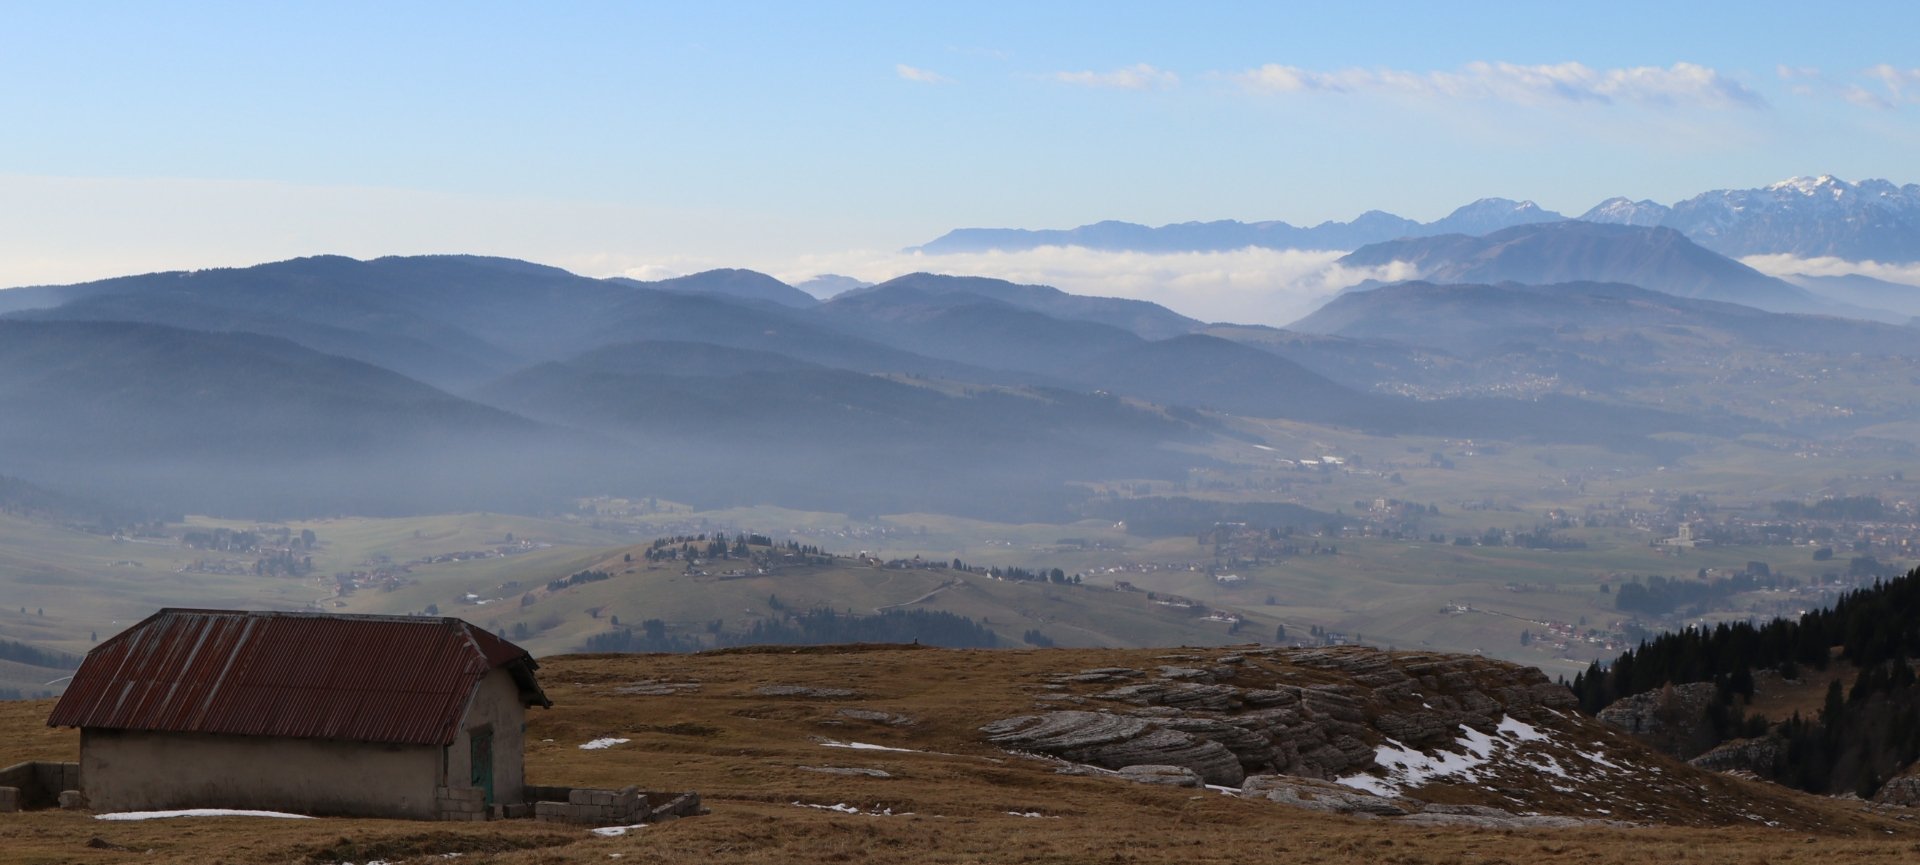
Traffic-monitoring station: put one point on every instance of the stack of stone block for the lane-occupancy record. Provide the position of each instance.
(461, 803)
(595, 807)
(40, 784)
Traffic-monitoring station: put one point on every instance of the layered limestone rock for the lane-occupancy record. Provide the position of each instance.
(1239, 716)
(1116, 742)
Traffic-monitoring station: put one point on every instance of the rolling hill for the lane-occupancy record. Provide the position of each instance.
(730, 282)
(1145, 319)
(1572, 251)
(230, 422)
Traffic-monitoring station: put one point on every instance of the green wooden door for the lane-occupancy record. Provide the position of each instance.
(481, 760)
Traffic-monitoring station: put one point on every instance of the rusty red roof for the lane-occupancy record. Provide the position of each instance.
(398, 679)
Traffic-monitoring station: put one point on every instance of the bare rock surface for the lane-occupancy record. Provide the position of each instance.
(656, 688)
(805, 691)
(1170, 776)
(888, 718)
(1115, 742)
(1323, 796)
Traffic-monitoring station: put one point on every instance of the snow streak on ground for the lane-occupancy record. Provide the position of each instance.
(196, 812)
(863, 746)
(599, 744)
(616, 831)
(844, 808)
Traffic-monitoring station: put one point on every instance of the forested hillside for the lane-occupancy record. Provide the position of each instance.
(1861, 736)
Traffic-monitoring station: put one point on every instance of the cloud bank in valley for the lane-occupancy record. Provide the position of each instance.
(1252, 286)
(1790, 265)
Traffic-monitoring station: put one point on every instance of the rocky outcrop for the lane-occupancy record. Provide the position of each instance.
(1312, 729)
(1672, 719)
(1903, 790)
(1116, 742)
(1348, 730)
(1760, 756)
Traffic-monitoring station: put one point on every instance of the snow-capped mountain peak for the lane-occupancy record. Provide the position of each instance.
(1813, 185)
(1625, 211)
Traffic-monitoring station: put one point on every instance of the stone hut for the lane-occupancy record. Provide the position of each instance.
(370, 716)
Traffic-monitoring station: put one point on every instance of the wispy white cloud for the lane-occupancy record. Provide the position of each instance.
(1883, 86)
(923, 76)
(1140, 76)
(1685, 84)
(1253, 286)
(1891, 87)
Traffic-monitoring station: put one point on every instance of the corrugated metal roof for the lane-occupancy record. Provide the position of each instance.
(399, 679)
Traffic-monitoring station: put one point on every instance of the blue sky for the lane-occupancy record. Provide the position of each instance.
(658, 137)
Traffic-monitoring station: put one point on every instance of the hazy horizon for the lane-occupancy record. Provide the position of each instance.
(663, 141)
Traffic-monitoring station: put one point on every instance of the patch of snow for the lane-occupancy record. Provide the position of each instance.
(844, 808)
(602, 744)
(863, 746)
(1224, 791)
(1032, 814)
(1409, 768)
(197, 812)
(1550, 766)
(1518, 729)
(1600, 759)
(1263, 447)
(616, 831)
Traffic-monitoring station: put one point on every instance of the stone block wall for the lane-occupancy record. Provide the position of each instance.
(623, 807)
(460, 803)
(37, 784)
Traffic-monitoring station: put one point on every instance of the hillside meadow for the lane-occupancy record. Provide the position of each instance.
(697, 723)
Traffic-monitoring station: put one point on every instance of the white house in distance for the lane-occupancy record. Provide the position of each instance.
(372, 716)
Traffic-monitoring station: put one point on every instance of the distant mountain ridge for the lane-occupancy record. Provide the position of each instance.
(328, 385)
(1487, 214)
(1661, 259)
(1873, 220)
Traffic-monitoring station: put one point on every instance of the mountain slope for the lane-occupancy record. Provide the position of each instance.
(731, 282)
(443, 356)
(973, 328)
(231, 421)
(492, 313)
(1146, 319)
(832, 439)
(682, 317)
(1471, 318)
(1209, 372)
(1573, 251)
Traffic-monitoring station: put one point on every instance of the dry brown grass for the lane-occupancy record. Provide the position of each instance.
(745, 753)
